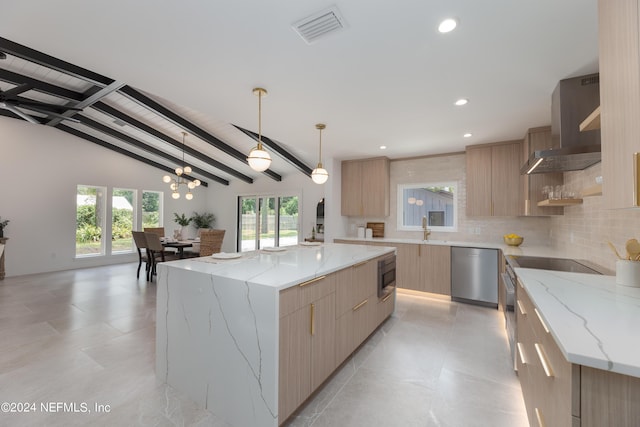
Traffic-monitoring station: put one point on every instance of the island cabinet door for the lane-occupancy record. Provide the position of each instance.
(355, 284)
(356, 305)
(306, 342)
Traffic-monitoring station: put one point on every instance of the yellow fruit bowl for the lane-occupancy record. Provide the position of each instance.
(513, 241)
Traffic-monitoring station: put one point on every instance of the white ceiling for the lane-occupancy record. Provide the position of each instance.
(388, 79)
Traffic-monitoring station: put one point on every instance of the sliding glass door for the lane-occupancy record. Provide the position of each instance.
(265, 221)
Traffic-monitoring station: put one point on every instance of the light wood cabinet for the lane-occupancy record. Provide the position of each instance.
(307, 341)
(322, 322)
(619, 58)
(550, 384)
(493, 179)
(538, 139)
(435, 269)
(365, 187)
(356, 310)
(358, 283)
(419, 267)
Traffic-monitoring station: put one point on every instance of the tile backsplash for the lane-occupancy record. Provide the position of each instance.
(536, 230)
(583, 231)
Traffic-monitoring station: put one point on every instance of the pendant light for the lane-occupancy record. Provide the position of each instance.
(319, 174)
(175, 183)
(259, 160)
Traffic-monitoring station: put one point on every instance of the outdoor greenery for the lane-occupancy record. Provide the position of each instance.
(3, 223)
(203, 220)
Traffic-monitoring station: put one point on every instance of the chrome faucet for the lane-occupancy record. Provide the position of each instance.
(425, 230)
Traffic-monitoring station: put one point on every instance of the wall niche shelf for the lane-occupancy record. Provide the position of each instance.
(560, 202)
(596, 190)
(592, 122)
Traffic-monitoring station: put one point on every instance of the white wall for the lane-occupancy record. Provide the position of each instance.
(41, 168)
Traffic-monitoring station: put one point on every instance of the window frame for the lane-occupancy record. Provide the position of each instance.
(421, 185)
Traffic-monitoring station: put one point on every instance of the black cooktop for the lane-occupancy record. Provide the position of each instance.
(556, 264)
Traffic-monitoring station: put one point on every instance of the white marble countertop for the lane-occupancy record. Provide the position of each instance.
(284, 269)
(594, 321)
(524, 249)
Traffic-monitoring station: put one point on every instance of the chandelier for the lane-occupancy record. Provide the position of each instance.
(319, 174)
(175, 183)
(259, 160)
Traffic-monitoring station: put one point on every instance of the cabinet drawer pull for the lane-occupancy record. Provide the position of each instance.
(521, 353)
(387, 297)
(308, 282)
(313, 319)
(359, 264)
(419, 250)
(541, 321)
(540, 418)
(520, 283)
(543, 359)
(360, 305)
(521, 308)
(636, 181)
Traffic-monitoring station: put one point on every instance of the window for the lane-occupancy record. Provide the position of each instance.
(266, 221)
(90, 220)
(122, 220)
(436, 202)
(151, 209)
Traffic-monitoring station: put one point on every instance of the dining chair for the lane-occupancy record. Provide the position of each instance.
(211, 242)
(194, 250)
(158, 230)
(156, 252)
(141, 244)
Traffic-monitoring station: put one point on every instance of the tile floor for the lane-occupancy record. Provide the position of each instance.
(87, 337)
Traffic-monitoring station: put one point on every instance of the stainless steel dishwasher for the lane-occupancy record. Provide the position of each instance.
(474, 276)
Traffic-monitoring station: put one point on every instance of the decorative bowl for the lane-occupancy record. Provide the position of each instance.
(513, 241)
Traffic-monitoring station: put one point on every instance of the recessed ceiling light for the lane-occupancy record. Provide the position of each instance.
(467, 135)
(461, 101)
(447, 25)
(383, 147)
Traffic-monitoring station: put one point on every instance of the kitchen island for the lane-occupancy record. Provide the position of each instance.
(239, 335)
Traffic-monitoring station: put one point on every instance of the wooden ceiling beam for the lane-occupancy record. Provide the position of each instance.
(48, 61)
(119, 115)
(190, 127)
(120, 150)
(138, 144)
(293, 160)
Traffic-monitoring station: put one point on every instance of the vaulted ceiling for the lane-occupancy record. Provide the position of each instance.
(137, 74)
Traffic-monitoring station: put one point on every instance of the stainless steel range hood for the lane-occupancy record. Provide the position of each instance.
(571, 102)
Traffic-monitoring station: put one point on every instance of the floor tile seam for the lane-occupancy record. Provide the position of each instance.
(339, 390)
(482, 378)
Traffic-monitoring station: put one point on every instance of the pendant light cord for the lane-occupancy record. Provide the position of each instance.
(320, 150)
(260, 120)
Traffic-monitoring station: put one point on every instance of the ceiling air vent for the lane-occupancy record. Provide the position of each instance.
(319, 25)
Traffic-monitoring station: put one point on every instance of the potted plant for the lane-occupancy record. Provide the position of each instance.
(184, 222)
(203, 220)
(3, 224)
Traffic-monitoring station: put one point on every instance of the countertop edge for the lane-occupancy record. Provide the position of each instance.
(263, 272)
(545, 297)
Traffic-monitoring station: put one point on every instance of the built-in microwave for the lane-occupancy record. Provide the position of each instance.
(386, 275)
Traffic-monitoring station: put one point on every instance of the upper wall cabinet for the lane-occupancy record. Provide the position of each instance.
(493, 179)
(365, 187)
(620, 101)
(538, 139)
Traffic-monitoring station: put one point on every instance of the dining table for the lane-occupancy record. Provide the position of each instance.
(179, 245)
